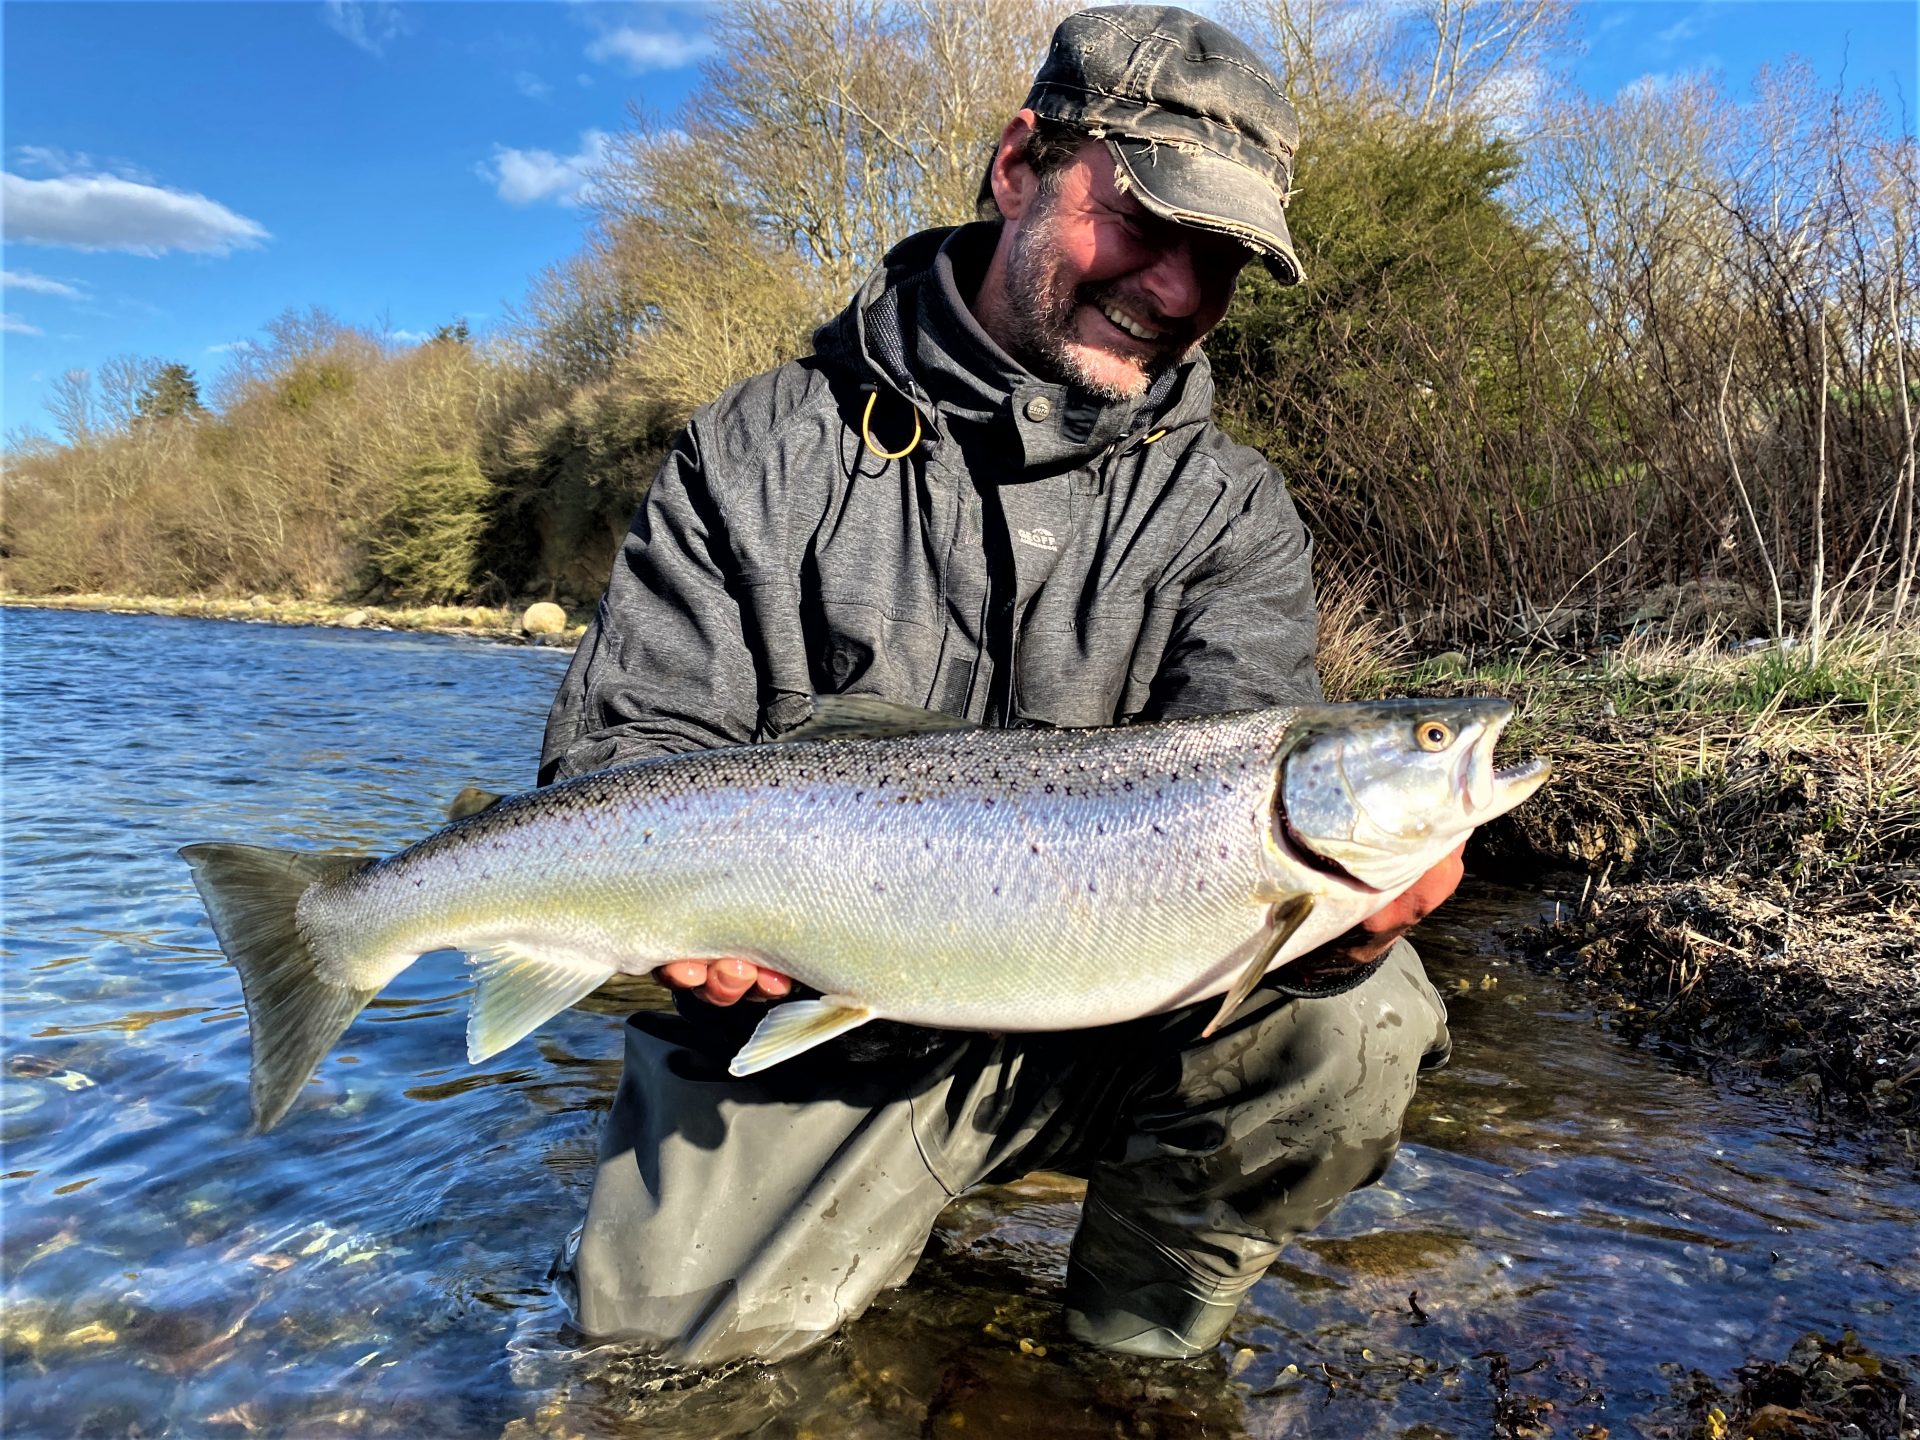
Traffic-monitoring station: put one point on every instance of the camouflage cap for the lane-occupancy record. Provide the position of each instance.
(1197, 124)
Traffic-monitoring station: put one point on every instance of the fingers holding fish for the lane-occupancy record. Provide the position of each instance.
(725, 981)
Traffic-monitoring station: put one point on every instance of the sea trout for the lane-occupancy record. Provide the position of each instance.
(904, 865)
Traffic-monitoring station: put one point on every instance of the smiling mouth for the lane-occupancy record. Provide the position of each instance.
(1120, 320)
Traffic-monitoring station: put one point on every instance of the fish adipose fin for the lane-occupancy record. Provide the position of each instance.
(862, 717)
(293, 1016)
(516, 991)
(794, 1027)
(1285, 918)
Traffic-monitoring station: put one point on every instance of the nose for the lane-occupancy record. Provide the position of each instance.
(1173, 281)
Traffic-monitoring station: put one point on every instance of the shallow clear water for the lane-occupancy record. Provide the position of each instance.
(376, 1265)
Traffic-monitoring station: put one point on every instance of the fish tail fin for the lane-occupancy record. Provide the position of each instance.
(293, 1014)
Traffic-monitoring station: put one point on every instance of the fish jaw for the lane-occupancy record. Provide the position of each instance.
(1487, 791)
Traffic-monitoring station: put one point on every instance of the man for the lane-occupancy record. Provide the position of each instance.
(995, 490)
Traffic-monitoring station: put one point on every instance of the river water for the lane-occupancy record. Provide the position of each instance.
(1576, 1216)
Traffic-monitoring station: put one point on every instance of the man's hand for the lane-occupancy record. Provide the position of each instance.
(1374, 936)
(721, 982)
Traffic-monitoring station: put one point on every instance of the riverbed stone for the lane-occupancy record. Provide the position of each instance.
(544, 618)
(353, 619)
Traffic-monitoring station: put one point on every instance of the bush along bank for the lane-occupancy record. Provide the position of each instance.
(1748, 826)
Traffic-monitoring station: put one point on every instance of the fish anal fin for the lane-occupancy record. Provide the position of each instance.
(517, 990)
(864, 717)
(1283, 919)
(796, 1026)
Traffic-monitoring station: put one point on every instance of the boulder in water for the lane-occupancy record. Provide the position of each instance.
(544, 618)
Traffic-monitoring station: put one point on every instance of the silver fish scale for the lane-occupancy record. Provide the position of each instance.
(1010, 879)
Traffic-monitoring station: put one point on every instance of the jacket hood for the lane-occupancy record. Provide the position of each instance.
(875, 338)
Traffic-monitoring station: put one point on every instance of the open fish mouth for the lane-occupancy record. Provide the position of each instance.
(1490, 791)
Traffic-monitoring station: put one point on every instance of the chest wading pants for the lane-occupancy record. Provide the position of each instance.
(753, 1217)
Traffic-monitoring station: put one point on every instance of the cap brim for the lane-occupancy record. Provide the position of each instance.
(1197, 187)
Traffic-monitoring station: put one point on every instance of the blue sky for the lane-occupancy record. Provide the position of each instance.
(178, 174)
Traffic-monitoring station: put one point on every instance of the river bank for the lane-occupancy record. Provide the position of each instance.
(1737, 836)
(502, 623)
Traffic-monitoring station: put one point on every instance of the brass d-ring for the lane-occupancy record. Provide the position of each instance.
(866, 432)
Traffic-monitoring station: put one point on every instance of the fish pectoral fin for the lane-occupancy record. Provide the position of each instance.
(794, 1027)
(471, 801)
(862, 717)
(516, 990)
(1286, 917)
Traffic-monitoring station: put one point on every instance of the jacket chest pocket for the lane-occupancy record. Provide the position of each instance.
(877, 649)
(1096, 670)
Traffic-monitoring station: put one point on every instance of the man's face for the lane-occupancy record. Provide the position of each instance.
(1103, 293)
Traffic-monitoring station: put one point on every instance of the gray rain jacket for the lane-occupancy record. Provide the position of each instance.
(1039, 557)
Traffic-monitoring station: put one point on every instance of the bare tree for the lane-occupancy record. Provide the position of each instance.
(1435, 61)
(827, 131)
(72, 406)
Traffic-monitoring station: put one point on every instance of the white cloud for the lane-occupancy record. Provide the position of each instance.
(12, 324)
(55, 161)
(531, 85)
(370, 24)
(105, 212)
(52, 157)
(643, 50)
(40, 284)
(522, 177)
(1685, 28)
(233, 347)
(410, 337)
(1654, 82)
(1515, 99)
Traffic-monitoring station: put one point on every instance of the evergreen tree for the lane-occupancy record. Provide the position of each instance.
(172, 392)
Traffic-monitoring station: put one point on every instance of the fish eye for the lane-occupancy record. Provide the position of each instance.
(1433, 735)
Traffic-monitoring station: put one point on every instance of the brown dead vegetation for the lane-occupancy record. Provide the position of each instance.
(1748, 833)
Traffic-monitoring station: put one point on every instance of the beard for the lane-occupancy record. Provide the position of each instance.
(1044, 309)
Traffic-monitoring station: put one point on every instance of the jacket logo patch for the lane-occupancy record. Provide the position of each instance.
(1039, 537)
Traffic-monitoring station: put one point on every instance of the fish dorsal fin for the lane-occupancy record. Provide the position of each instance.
(796, 1026)
(515, 991)
(865, 717)
(471, 801)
